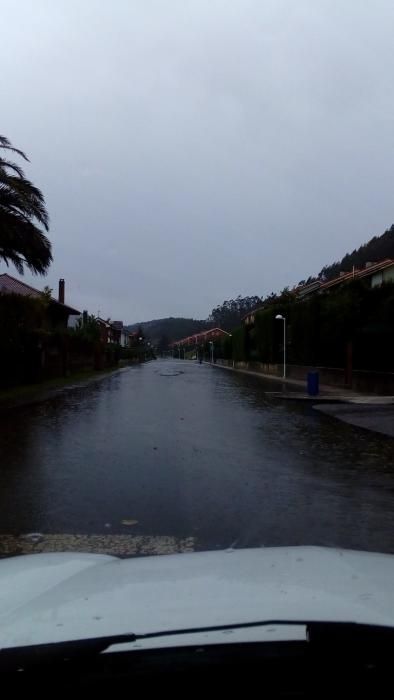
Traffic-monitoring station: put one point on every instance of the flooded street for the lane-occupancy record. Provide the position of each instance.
(174, 452)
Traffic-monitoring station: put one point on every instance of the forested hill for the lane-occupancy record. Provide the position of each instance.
(162, 331)
(228, 315)
(378, 248)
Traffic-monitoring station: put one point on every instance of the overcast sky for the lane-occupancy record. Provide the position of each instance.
(193, 150)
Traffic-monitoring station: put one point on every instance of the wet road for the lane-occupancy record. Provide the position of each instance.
(195, 454)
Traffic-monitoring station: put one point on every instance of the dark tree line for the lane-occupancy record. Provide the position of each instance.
(378, 248)
(229, 314)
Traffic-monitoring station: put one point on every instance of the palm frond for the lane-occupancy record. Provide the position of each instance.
(7, 165)
(22, 240)
(22, 207)
(30, 197)
(5, 143)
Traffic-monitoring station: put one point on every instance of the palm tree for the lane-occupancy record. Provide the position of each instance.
(22, 211)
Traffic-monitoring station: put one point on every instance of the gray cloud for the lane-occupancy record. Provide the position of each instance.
(193, 150)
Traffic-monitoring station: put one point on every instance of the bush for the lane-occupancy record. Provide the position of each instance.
(22, 323)
(320, 330)
(239, 344)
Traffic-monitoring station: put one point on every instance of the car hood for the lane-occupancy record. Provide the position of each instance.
(57, 597)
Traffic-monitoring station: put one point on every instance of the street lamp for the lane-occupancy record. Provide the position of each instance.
(279, 317)
(211, 344)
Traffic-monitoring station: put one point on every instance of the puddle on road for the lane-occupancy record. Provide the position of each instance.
(116, 545)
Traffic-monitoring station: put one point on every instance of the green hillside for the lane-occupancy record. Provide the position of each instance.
(162, 331)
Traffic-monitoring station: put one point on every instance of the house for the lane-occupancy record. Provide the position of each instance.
(248, 319)
(379, 273)
(117, 329)
(338, 281)
(306, 290)
(213, 334)
(121, 334)
(133, 339)
(106, 331)
(114, 332)
(375, 274)
(58, 312)
(125, 338)
(200, 338)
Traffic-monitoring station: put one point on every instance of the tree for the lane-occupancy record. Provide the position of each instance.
(47, 293)
(22, 212)
(229, 314)
(376, 249)
(86, 328)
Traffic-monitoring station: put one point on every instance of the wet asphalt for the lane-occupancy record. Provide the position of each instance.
(174, 449)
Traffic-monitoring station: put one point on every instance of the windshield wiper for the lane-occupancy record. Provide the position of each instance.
(317, 633)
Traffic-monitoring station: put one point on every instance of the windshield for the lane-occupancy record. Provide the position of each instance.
(196, 292)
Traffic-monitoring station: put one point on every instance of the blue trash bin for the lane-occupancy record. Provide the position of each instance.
(313, 383)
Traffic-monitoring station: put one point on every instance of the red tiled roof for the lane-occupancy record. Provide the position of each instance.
(197, 336)
(306, 288)
(338, 280)
(356, 274)
(375, 268)
(11, 285)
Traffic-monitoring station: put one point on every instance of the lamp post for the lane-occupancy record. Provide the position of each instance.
(211, 344)
(279, 317)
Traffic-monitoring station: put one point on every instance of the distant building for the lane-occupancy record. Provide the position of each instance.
(200, 338)
(106, 330)
(114, 332)
(133, 339)
(121, 334)
(117, 331)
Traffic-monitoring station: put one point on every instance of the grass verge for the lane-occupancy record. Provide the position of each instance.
(30, 392)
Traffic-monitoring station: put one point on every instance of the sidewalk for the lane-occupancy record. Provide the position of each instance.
(367, 411)
(380, 419)
(326, 392)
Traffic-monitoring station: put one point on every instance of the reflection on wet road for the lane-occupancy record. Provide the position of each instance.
(175, 449)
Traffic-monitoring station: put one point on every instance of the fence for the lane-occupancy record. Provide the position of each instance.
(363, 381)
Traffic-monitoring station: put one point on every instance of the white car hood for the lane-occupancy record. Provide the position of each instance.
(57, 597)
